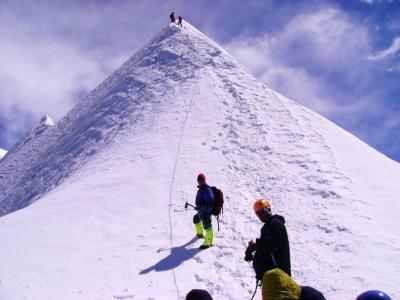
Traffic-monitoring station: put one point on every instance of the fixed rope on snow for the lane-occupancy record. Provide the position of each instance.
(174, 171)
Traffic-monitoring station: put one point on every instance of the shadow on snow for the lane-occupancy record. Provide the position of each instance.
(176, 256)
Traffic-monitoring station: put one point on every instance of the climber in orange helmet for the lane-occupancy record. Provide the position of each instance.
(272, 248)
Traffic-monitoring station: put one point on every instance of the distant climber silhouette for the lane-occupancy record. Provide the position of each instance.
(172, 17)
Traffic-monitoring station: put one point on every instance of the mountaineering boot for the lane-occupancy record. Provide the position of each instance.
(199, 230)
(208, 239)
(202, 247)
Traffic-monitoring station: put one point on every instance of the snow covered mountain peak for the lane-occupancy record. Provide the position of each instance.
(2, 153)
(44, 123)
(132, 94)
(111, 179)
(46, 120)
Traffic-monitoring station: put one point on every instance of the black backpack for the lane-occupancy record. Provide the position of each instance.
(218, 203)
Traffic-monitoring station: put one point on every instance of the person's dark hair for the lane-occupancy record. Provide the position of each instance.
(197, 294)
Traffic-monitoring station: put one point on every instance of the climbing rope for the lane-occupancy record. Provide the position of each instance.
(188, 109)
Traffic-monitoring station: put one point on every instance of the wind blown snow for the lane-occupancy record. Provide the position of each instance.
(93, 206)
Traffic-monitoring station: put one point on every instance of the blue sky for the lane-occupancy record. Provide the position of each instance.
(339, 58)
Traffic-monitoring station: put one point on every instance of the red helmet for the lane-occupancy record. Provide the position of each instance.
(201, 178)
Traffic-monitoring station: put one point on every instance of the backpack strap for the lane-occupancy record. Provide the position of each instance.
(274, 261)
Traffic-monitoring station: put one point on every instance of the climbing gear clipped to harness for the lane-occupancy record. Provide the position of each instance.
(218, 203)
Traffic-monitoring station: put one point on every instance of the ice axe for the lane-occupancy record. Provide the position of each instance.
(188, 204)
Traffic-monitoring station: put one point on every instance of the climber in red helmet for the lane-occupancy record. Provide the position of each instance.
(204, 207)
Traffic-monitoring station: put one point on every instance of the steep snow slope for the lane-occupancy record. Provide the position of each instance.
(124, 162)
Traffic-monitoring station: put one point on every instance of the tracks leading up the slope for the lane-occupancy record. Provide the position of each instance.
(298, 172)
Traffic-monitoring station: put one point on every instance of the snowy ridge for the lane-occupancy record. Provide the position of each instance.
(122, 164)
(33, 134)
(23, 154)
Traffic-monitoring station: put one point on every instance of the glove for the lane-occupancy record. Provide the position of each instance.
(251, 246)
(249, 251)
(249, 256)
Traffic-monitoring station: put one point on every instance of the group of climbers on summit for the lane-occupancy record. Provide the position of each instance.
(173, 19)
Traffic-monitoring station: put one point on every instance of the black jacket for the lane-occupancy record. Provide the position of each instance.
(273, 240)
(309, 293)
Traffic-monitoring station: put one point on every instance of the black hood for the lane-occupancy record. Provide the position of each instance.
(281, 218)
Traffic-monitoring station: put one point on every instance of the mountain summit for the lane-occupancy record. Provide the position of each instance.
(109, 182)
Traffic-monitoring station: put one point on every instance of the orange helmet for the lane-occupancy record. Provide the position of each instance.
(260, 204)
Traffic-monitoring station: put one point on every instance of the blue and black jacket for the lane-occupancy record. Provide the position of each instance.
(205, 199)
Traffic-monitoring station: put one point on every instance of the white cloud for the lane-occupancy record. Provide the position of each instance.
(370, 2)
(330, 37)
(320, 59)
(50, 63)
(299, 60)
(389, 52)
(38, 79)
(46, 78)
(300, 86)
(316, 57)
